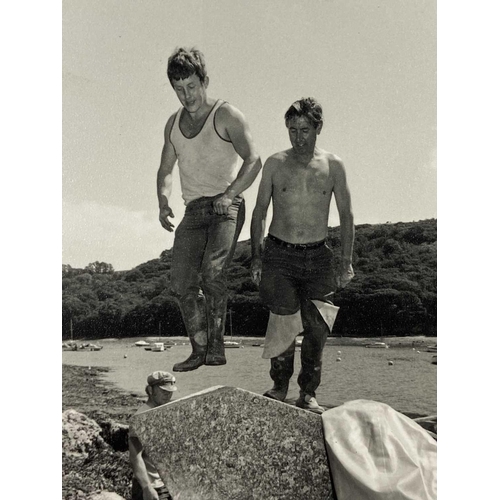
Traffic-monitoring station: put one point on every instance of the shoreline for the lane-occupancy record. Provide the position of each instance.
(86, 390)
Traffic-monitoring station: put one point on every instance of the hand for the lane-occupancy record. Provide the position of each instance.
(256, 270)
(346, 275)
(165, 213)
(149, 493)
(222, 203)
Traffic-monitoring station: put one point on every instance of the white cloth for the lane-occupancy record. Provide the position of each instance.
(328, 312)
(281, 332)
(376, 453)
(282, 329)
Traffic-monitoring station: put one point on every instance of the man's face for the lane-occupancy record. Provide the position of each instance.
(302, 135)
(191, 92)
(160, 396)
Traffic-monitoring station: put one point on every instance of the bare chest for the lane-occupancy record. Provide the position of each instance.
(192, 127)
(311, 182)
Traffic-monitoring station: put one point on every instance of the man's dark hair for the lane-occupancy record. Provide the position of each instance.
(308, 107)
(186, 62)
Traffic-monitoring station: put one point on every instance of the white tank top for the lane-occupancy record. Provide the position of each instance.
(207, 162)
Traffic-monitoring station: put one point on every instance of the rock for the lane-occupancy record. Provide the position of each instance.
(227, 443)
(80, 434)
(90, 464)
(104, 495)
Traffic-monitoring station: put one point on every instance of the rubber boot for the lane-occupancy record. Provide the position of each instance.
(311, 353)
(195, 320)
(281, 372)
(216, 321)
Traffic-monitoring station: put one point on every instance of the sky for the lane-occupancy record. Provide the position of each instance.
(372, 66)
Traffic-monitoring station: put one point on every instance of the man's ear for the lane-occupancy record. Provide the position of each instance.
(319, 127)
(206, 81)
(149, 390)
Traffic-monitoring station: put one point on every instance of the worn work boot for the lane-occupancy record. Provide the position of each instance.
(281, 372)
(195, 320)
(308, 402)
(216, 321)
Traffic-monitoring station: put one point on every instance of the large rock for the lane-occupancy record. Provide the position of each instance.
(227, 443)
(80, 434)
(89, 464)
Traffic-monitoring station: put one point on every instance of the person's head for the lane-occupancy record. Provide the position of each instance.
(160, 388)
(188, 76)
(304, 120)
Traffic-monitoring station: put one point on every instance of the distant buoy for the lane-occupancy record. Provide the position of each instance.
(125, 356)
(391, 363)
(418, 352)
(339, 352)
(413, 348)
(339, 359)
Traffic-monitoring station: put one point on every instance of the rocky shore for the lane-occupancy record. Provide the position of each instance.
(95, 423)
(95, 420)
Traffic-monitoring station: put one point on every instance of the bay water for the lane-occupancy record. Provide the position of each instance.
(402, 377)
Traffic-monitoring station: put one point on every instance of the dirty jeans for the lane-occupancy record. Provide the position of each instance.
(163, 493)
(203, 248)
(291, 278)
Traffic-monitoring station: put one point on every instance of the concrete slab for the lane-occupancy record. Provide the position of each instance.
(226, 443)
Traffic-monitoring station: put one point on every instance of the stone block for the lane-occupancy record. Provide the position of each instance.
(226, 443)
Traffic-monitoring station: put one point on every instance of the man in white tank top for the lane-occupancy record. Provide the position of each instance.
(206, 137)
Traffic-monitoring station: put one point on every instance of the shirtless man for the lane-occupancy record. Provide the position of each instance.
(295, 269)
(207, 137)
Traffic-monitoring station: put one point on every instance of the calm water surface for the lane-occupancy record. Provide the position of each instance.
(409, 385)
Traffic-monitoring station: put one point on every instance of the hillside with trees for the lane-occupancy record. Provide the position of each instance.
(393, 292)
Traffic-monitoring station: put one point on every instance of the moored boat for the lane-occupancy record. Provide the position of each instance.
(157, 347)
(231, 344)
(377, 345)
(141, 343)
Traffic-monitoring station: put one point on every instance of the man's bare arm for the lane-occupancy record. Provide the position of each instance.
(164, 177)
(343, 201)
(258, 225)
(139, 467)
(238, 131)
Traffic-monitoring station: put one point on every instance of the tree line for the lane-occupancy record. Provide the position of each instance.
(393, 292)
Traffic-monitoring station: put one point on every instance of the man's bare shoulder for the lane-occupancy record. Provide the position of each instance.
(334, 161)
(279, 158)
(228, 112)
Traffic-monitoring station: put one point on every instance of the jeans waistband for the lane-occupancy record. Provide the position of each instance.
(299, 246)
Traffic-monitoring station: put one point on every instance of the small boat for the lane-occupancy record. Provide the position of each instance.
(432, 348)
(434, 360)
(377, 345)
(69, 346)
(157, 347)
(141, 343)
(231, 344)
(257, 345)
(94, 347)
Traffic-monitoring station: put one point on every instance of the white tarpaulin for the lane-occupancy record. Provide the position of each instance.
(377, 453)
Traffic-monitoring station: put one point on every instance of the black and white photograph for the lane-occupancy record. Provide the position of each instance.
(246, 214)
(249, 237)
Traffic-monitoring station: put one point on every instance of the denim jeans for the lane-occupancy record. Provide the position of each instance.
(203, 248)
(291, 278)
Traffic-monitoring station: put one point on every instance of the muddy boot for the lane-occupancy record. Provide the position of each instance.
(194, 315)
(216, 321)
(281, 372)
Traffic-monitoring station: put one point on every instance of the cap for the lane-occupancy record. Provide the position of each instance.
(165, 380)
